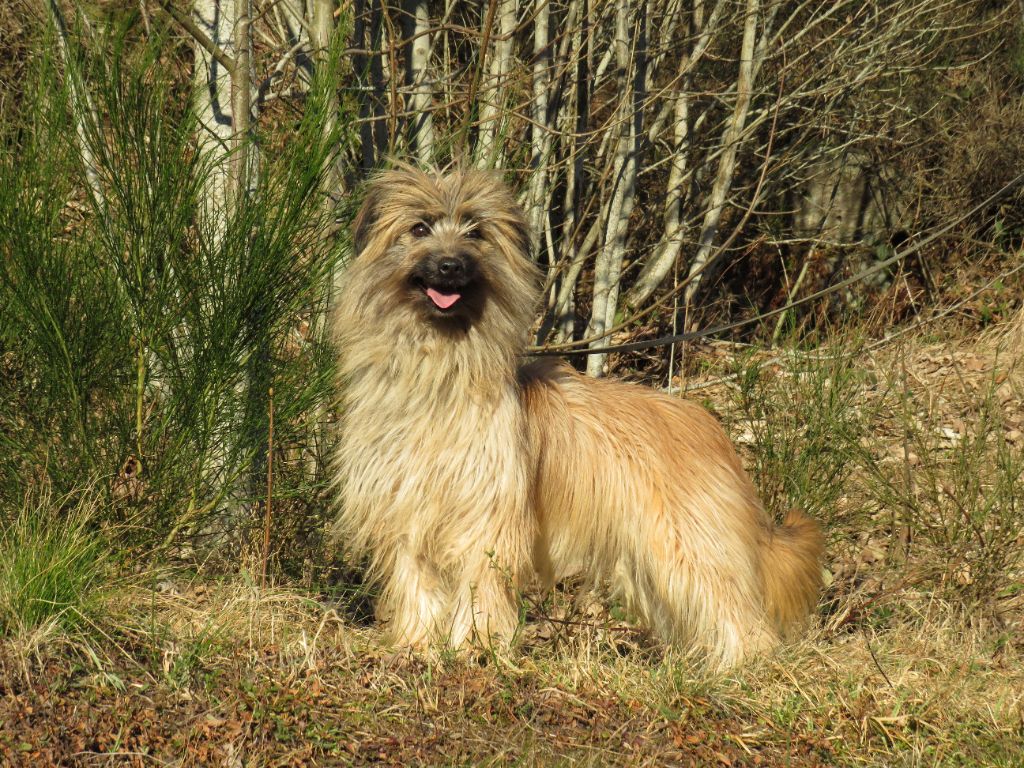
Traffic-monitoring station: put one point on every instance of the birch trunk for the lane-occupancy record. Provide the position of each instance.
(669, 247)
(223, 106)
(492, 112)
(608, 264)
(295, 32)
(213, 107)
(241, 103)
(82, 110)
(540, 132)
(421, 103)
(574, 123)
(727, 163)
(323, 38)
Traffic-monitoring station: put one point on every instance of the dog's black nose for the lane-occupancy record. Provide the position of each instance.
(451, 268)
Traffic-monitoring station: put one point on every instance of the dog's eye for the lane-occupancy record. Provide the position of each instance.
(475, 234)
(419, 229)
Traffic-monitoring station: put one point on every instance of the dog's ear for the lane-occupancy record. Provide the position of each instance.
(365, 220)
(517, 228)
(524, 235)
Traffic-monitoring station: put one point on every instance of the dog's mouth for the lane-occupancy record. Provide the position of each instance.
(444, 299)
(446, 283)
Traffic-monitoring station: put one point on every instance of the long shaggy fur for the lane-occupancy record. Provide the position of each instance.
(461, 475)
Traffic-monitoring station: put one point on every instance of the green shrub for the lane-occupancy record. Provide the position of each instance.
(139, 335)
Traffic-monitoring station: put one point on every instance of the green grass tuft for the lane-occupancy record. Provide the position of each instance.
(53, 565)
(798, 414)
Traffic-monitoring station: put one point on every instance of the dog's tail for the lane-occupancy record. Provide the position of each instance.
(792, 570)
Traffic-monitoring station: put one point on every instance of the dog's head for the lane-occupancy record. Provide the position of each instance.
(452, 247)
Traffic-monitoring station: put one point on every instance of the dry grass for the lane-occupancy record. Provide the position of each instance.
(221, 674)
(914, 659)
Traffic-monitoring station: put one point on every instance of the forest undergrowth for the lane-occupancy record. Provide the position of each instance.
(909, 454)
(168, 594)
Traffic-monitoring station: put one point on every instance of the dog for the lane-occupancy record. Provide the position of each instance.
(464, 473)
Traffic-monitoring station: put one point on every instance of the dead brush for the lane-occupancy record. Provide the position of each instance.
(189, 629)
(957, 492)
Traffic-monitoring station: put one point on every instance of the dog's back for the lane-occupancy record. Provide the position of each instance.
(647, 490)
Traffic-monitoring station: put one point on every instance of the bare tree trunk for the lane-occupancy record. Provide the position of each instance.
(242, 503)
(241, 102)
(493, 115)
(669, 248)
(608, 265)
(574, 124)
(323, 38)
(539, 131)
(368, 63)
(222, 99)
(213, 105)
(360, 63)
(82, 109)
(422, 102)
(296, 33)
(727, 163)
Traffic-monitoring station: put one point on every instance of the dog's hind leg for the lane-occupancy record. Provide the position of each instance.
(730, 625)
(692, 601)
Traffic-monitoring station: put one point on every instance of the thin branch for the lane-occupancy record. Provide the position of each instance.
(81, 104)
(186, 22)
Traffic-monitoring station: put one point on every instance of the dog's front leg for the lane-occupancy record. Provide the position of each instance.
(484, 607)
(413, 602)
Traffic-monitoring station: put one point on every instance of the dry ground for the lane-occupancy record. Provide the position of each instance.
(914, 659)
(230, 679)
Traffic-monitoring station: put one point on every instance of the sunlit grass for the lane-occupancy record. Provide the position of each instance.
(54, 566)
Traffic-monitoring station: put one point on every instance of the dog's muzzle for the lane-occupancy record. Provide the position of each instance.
(445, 279)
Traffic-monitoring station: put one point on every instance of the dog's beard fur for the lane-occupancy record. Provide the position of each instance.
(461, 475)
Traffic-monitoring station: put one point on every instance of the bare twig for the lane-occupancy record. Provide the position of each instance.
(268, 511)
(186, 23)
(86, 122)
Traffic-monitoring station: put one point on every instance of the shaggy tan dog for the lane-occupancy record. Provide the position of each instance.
(462, 474)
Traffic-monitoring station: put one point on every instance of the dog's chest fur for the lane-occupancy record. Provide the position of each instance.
(431, 445)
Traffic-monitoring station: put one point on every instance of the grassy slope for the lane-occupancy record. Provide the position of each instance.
(915, 658)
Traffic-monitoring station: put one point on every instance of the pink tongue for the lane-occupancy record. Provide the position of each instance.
(443, 300)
